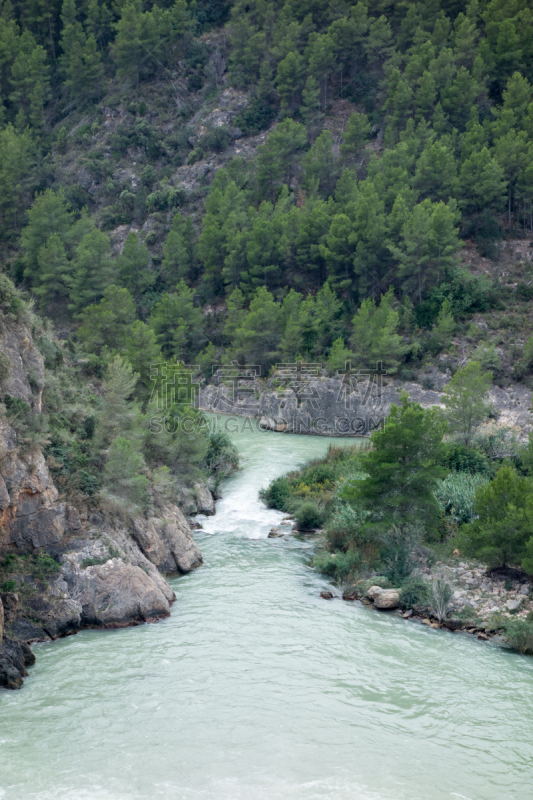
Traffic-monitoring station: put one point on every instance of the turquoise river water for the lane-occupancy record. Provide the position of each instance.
(256, 689)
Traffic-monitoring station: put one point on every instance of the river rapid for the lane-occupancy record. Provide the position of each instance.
(256, 689)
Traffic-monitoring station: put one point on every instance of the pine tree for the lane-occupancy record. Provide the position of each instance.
(179, 251)
(465, 400)
(355, 137)
(92, 270)
(375, 337)
(133, 266)
(48, 215)
(107, 324)
(178, 324)
(30, 80)
(289, 79)
(54, 272)
(256, 341)
(320, 168)
(401, 470)
(436, 173)
(143, 352)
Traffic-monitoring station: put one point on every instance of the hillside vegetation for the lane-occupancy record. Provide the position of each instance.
(272, 181)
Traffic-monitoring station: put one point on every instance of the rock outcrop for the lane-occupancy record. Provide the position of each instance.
(66, 569)
(349, 406)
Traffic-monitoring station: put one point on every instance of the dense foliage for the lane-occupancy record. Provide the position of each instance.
(311, 243)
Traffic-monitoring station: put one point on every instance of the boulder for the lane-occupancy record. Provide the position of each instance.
(14, 658)
(116, 594)
(326, 595)
(373, 591)
(513, 605)
(387, 599)
(205, 502)
(167, 541)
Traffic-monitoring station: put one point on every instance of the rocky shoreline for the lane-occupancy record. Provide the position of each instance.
(345, 405)
(481, 603)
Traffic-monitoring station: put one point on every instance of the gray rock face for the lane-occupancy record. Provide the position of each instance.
(30, 515)
(205, 501)
(14, 658)
(167, 541)
(26, 378)
(344, 406)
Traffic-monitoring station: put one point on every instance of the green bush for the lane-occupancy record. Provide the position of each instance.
(308, 517)
(44, 566)
(10, 299)
(397, 546)
(276, 494)
(148, 176)
(222, 457)
(51, 352)
(88, 483)
(464, 459)
(8, 586)
(216, 140)
(519, 636)
(339, 565)
(16, 408)
(414, 592)
(456, 494)
(346, 527)
(256, 117)
(5, 368)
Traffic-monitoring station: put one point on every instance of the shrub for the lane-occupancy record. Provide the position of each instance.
(440, 594)
(216, 140)
(5, 368)
(276, 494)
(519, 636)
(88, 483)
(456, 494)
(346, 527)
(51, 352)
(45, 566)
(502, 532)
(16, 408)
(122, 473)
(222, 457)
(339, 565)
(148, 176)
(464, 459)
(414, 592)
(93, 562)
(256, 117)
(398, 544)
(10, 299)
(308, 517)
(524, 292)
(8, 586)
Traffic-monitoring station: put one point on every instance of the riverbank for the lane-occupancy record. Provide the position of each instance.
(483, 603)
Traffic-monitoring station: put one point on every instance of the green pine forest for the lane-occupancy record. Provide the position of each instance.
(362, 204)
(327, 244)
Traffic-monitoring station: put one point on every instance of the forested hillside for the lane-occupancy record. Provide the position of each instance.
(324, 215)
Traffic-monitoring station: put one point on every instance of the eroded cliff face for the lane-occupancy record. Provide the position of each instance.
(68, 569)
(345, 407)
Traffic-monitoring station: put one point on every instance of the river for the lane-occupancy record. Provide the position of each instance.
(256, 689)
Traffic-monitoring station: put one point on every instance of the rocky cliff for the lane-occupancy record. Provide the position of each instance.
(61, 567)
(347, 406)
